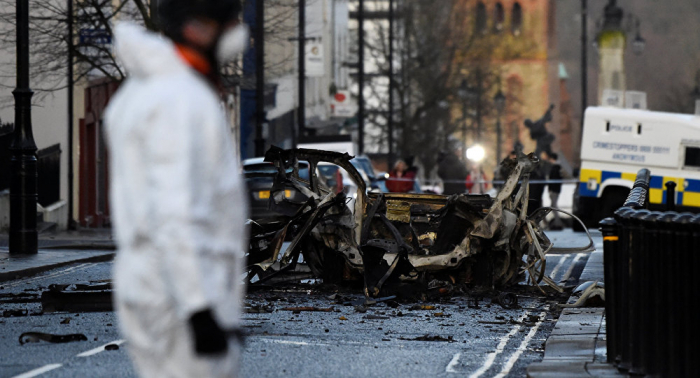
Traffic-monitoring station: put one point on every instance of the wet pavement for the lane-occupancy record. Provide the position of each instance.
(389, 339)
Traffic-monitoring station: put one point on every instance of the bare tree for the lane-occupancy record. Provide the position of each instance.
(439, 48)
(50, 43)
(681, 96)
(91, 46)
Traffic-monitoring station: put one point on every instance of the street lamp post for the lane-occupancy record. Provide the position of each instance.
(477, 96)
(361, 76)
(259, 40)
(390, 119)
(463, 93)
(584, 63)
(301, 113)
(500, 101)
(23, 184)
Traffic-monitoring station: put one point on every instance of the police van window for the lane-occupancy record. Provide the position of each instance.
(692, 157)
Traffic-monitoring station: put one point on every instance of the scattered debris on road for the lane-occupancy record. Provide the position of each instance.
(591, 294)
(35, 337)
(397, 243)
(111, 347)
(300, 309)
(506, 300)
(77, 298)
(261, 309)
(19, 298)
(15, 313)
(449, 339)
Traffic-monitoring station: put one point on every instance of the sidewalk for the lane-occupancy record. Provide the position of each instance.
(56, 250)
(576, 347)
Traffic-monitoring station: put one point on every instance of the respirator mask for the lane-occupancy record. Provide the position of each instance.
(232, 43)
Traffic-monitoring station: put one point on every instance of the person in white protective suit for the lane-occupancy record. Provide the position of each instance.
(177, 198)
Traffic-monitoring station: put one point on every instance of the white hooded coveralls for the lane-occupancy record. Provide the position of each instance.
(178, 208)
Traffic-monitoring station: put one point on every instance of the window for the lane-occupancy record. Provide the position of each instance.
(692, 157)
(480, 24)
(499, 18)
(517, 19)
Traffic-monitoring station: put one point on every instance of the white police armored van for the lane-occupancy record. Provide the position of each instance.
(619, 142)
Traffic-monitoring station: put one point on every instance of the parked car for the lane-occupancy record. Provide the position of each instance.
(364, 165)
(259, 177)
(333, 176)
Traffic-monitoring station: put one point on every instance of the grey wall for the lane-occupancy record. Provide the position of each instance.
(665, 70)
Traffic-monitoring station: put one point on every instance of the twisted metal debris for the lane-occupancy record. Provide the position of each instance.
(390, 240)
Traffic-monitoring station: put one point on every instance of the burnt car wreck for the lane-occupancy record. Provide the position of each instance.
(392, 240)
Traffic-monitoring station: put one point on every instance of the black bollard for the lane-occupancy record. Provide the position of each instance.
(666, 272)
(671, 196)
(693, 334)
(650, 311)
(681, 294)
(622, 216)
(611, 242)
(636, 250)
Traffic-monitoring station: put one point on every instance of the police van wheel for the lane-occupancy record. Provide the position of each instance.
(586, 209)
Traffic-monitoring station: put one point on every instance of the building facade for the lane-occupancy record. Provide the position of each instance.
(523, 59)
(326, 52)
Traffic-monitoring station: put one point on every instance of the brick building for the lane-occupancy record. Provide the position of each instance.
(524, 58)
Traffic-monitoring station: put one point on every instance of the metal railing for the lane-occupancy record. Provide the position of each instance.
(649, 267)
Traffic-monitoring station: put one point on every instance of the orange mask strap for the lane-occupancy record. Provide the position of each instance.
(194, 59)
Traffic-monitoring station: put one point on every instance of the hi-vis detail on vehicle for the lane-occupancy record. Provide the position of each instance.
(619, 142)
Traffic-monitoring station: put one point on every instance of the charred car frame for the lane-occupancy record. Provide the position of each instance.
(390, 239)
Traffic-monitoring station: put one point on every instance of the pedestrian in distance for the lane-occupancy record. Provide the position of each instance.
(401, 178)
(176, 193)
(452, 171)
(535, 190)
(476, 180)
(555, 174)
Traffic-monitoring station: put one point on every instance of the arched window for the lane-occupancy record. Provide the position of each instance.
(481, 21)
(517, 19)
(499, 18)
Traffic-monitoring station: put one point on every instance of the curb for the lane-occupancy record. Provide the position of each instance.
(570, 350)
(30, 271)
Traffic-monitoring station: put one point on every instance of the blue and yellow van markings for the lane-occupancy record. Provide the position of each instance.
(687, 190)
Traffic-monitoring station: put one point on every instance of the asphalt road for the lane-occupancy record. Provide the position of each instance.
(453, 338)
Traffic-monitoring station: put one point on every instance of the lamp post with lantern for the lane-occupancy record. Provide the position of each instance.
(462, 93)
(499, 101)
(467, 94)
(23, 184)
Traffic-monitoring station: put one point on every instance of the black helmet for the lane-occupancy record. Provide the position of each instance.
(172, 14)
